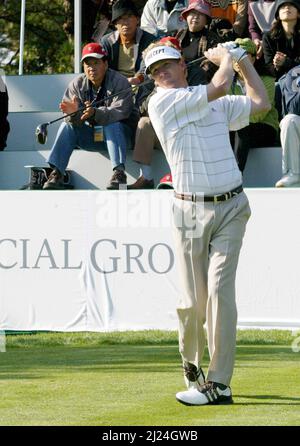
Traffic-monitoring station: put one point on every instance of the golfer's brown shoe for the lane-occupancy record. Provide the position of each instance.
(142, 183)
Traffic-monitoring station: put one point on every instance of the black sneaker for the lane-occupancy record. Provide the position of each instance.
(209, 393)
(55, 181)
(193, 377)
(119, 177)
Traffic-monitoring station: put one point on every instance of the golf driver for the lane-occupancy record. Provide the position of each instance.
(41, 131)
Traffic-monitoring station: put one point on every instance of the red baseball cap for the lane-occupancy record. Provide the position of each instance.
(172, 40)
(165, 182)
(93, 50)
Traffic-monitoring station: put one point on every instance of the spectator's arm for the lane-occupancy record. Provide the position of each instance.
(254, 30)
(241, 18)
(69, 95)
(148, 22)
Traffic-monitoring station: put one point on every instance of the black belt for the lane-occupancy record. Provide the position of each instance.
(214, 198)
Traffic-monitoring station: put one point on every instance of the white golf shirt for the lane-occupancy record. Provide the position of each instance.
(194, 136)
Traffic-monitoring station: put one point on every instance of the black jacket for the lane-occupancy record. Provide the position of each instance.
(290, 92)
(4, 125)
(280, 43)
(111, 44)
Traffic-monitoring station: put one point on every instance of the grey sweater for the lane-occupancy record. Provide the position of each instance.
(120, 107)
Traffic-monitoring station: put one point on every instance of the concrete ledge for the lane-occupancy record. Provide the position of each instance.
(22, 130)
(92, 170)
(37, 92)
(264, 167)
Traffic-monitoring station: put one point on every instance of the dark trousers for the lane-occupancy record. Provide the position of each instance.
(254, 135)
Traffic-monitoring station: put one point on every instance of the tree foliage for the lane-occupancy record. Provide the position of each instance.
(48, 44)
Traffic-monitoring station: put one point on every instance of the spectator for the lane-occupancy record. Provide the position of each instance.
(196, 39)
(281, 45)
(4, 124)
(125, 45)
(163, 17)
(261, 14)
(234, 11)
(263, 128)
(107, 125)
(290, 125)
(102, 26)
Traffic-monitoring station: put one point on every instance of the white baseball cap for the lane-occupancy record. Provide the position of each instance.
(160, 53)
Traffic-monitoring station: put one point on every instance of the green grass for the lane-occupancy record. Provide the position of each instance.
(130, 379)
(145, 337)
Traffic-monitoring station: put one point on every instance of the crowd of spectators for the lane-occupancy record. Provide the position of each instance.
(122, 29)
(270, 32)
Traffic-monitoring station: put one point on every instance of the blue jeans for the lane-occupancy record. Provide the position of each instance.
(117, 137)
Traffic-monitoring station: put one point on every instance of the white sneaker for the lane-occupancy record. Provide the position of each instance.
(210, 393)
(194, 378)
(289, 180)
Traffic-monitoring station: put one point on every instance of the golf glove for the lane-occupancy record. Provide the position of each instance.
(235, 50)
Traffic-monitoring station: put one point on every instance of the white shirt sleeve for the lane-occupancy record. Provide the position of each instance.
(237, 110)
(148, 22)
(172, 109)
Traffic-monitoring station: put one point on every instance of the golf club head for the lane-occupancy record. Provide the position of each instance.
(41, 133)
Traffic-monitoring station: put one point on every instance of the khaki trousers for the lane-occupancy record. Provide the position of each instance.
(145, 142)
(207, 268)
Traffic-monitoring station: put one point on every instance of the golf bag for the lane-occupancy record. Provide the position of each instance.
(39, 175)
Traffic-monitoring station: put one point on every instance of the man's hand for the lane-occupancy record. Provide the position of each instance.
(259, 48)
(236, 51)
(68, 107)
(216, 54)
(89, 113)
(279, 60)
(134, 80)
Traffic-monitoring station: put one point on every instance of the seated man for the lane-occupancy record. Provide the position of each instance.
(163, 17)
(289, 126)
(109, 124)
(125, 45)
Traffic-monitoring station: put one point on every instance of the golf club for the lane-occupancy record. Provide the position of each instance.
(41, 131)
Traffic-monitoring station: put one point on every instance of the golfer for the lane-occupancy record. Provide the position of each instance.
(192, 125)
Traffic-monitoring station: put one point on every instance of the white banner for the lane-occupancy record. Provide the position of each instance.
(99, 260)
